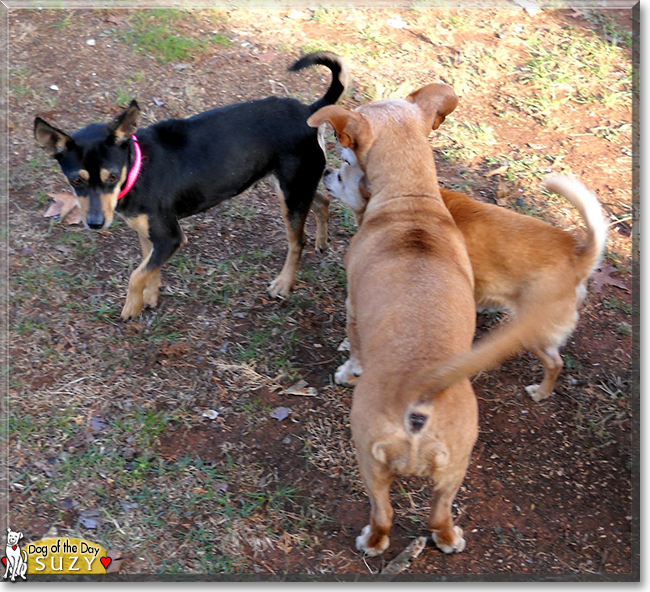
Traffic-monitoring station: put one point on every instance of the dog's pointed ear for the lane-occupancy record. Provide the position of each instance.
(124, 125)
(20, 535)
(351, 127)
(436, 101)
(51, 139)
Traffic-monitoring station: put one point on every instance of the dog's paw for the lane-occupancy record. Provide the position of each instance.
(536, 393)
(321, 245)
(150, 297)
(348, 373)
(363, 543)
(132, 307)
(280, 286)
(344, 345)
(455, 546)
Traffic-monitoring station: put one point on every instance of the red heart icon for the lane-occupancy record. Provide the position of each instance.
(14, 547)
(106, 561)
(4, 561)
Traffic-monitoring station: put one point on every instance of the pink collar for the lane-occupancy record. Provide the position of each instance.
(132, 177)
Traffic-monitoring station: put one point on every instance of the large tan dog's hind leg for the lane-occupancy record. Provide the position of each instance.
(552, 363)
(373, 539)
(321, 208)
(348, 373)
(447, 537)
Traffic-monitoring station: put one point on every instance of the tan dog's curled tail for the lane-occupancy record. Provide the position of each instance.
(589, 207)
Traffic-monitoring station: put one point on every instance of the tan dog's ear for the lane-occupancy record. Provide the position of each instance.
(351, 128)
(436, 101)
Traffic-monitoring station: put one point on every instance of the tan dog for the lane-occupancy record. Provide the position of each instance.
(410, 305)
(535, 271)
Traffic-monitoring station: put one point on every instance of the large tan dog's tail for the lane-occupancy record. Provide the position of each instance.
(589, 207)
(498, 345)
(513, 337)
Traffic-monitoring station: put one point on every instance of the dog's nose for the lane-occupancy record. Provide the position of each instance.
(95, 221)
(328, 172)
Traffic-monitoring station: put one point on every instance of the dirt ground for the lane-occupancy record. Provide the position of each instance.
(110, 430)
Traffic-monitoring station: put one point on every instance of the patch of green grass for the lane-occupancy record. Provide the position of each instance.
(575, 68)
(615, 35)
(624, 329)
(521, 165)
(571, 364)
(65, 20)
(469, 141)
(123, 96)
(155, 33)
(614, 303)
(236, 210)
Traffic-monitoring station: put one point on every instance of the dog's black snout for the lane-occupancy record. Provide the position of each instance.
(328, 172)
(95, 221)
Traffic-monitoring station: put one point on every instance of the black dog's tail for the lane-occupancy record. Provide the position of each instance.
(339, 76)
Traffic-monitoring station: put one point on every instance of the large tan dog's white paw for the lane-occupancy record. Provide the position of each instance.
(348, 373)
(536, 393)
(457, 546)
(363, 545)
(344, 345)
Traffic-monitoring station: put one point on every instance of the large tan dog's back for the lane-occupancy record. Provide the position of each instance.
(410, 305)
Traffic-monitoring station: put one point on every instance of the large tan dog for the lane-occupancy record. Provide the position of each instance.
(532, 269)
(410, 305)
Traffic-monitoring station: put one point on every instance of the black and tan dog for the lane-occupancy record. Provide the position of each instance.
(180, 167)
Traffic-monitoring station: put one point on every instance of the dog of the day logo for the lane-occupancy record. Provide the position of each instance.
(60, 555)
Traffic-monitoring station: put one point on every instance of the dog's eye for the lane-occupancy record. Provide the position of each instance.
(112, 178)
(77, 181)
(339, 176)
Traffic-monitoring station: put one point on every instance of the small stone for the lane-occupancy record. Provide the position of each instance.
(90, 42)
(211, 414)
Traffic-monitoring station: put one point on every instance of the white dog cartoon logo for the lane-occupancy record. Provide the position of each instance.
(16, 563)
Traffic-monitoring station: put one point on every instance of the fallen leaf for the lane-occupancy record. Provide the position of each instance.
(603, 276)
(499, 171)
(68, 504)
(97, 424)
(301, 389)
(116, 19)
(89, 523)
(46, 468)
(502, 193)
(65, 207)
(280, 413)
(116, 561)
